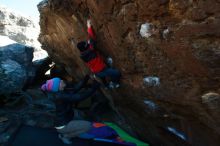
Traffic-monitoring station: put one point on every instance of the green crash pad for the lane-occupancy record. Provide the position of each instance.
(125, 136)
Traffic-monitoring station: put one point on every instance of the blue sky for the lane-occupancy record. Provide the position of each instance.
(25, 7)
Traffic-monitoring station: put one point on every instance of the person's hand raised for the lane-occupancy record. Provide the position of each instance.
(89, 24)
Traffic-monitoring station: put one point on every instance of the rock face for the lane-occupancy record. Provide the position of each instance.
(175, 41)
(20, 29)
(15, 67)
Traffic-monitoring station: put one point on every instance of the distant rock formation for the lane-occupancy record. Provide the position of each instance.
(19, 29)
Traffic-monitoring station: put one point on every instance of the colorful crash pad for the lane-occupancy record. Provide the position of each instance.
(125, 136)
(36, 136)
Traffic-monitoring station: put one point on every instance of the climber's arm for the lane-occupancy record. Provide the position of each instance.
(76, 97)
(81, 84)
(91, 35)
(90, 31)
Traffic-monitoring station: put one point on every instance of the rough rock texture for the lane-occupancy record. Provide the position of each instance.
(39, 113)
(183, 51)
(20, 29)
(15, 67)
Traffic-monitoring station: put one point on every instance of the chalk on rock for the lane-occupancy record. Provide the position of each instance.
(151, 105)
(145, 30)
(177, 133)
(212, 101)
(210, 97)
(151, 81)
(165, 33)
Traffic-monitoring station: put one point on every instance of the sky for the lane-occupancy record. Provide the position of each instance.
(23, 7)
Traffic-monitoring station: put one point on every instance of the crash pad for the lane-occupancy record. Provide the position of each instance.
(36, 136)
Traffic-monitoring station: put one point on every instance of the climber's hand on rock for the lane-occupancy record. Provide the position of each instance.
(89, 24)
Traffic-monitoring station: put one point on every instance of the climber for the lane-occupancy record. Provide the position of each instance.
(95, 61)
(64, 95)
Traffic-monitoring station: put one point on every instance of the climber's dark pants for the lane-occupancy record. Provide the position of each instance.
(111, 73)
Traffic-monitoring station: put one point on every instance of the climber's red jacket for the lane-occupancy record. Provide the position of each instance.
(90, 56)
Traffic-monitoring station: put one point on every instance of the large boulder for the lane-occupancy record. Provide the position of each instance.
(175, 41)
(15, 67)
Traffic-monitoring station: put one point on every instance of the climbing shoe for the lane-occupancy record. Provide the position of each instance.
(113, 85)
